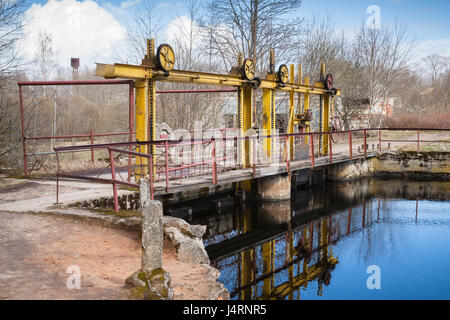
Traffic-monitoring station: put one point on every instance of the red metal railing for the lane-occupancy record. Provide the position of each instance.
(169, 169)
(91, 134)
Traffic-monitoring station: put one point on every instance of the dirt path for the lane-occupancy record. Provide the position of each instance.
(36, 250)
(40, 195)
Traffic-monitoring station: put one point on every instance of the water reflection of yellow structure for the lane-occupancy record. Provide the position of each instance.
(272, 254)
(299, 256)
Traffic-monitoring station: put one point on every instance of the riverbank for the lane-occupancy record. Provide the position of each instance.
(36, 251)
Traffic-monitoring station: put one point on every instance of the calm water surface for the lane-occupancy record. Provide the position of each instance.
(320, 245)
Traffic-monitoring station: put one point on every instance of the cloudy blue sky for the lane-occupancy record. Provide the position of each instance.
(94, 29)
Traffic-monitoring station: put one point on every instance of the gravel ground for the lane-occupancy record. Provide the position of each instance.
(36, 250)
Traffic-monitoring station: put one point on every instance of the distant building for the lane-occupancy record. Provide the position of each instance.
(383, 108)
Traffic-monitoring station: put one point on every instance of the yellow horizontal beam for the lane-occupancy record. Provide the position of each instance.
(145, 72)
(123, 71)
(202, 78)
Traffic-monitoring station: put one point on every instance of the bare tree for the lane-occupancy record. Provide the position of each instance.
(437, 66)
(252, 27)
(183, 110)
(11, 12)
(320, 44)
(44, 55)
(144, 25)
(383, 54)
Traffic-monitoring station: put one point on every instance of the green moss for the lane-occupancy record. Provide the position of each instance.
(187, 232)
(129, 188)
(139, 292)
(156, 272)
(156, 280)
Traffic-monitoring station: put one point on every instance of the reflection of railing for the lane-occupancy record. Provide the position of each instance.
(184, 163)
(297, 248)
(293, 254)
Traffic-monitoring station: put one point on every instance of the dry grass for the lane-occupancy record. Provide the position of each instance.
(441, 121)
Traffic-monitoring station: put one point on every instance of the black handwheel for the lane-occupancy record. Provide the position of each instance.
(328, 82)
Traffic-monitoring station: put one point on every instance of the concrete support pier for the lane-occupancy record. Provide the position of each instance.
(274, 188)
(152, 230)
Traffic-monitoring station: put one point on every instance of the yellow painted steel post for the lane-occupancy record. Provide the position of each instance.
(141, 87)
(326, 122)
(240, 115)
(323, 140)
(300, 108)
(291, 113)
(306, 108)
(245, 120)
(267, 120)
(269, 109)
(151, 102)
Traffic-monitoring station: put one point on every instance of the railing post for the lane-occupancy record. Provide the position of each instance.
(365, 143)
(166, 152)
(92, 149)
(113, 176)
(311, 148)
(379, 139)
(331, 147)
(181, 167)
(350, 144)
(57, 177)
(24, 143)
(286, 147)
(254, 156)
(150, 175)
(213, 157)
(130, 124)
(418, 140)
(235, 148)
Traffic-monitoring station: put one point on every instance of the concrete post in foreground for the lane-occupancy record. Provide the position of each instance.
(152, 229)
(151, 282)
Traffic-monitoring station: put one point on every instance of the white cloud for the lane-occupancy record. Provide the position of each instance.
(129, 3)
(179, 29)
(78, 29)
(436, 46)
(429, 47)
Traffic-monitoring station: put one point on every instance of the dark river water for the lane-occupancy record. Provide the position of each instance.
(371, 239)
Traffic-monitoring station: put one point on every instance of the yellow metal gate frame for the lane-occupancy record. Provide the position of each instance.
(149, 72)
